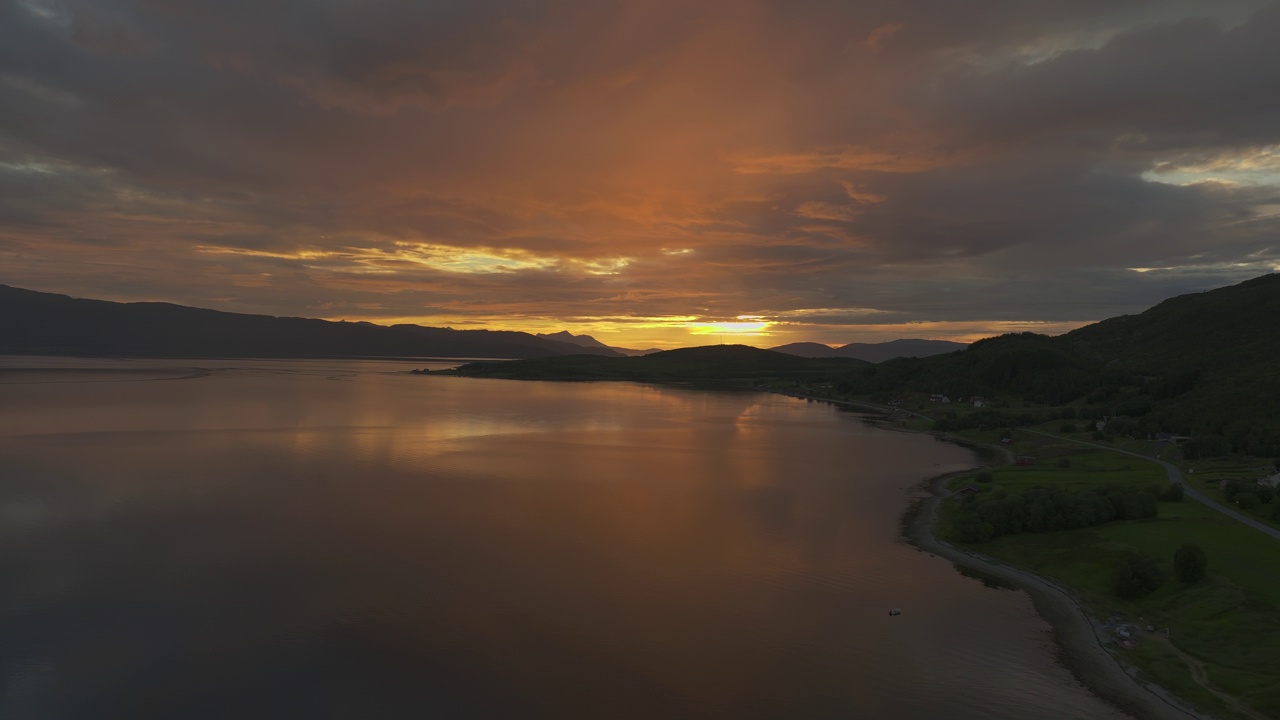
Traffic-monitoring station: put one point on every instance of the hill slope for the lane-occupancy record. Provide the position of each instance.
(1205, 364)
(44, 323)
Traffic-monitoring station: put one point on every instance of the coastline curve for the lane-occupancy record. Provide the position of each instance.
(1074, 632)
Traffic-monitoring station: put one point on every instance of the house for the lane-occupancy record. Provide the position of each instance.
(1025, 460)
(979, 401)
(936, 397)
(966, 490)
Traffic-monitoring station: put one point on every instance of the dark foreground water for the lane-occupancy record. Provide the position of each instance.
(341, 540)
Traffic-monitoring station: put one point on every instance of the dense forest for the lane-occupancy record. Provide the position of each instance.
(1206, 366)
(1046, 509)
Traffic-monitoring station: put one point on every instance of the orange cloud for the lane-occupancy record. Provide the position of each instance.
(841, 157)
(875, 41)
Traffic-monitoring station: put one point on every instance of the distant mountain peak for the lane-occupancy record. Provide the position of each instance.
(565, 336)
(586, 341)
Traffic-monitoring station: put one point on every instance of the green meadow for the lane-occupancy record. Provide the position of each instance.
(1222, 648)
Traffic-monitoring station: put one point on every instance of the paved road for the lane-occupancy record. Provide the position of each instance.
(1175, 475)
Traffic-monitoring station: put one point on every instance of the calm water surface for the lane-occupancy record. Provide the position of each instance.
(342, 540)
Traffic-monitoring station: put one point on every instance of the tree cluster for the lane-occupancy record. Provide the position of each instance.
(1137, 576)
(1049, 509)
(1248, 495)
(1189, 563)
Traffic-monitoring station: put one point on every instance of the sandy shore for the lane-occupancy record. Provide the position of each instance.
(1074, 631)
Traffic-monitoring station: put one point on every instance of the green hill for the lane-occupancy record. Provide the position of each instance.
(1205, 365)
(1212, 361)
(1034, 367)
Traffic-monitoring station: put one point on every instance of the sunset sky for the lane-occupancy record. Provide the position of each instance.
(652, 173)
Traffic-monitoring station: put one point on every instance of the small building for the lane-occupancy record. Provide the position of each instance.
(1025, 460)
(966, 490)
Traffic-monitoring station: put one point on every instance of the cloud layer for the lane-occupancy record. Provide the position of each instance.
(837, 170)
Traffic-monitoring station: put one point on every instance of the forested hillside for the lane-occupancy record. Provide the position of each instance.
(1206, 365)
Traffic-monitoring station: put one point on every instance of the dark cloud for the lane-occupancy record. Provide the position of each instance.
(817, 161)
(1191, 81)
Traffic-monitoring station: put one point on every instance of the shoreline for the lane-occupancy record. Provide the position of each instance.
(1080, 649)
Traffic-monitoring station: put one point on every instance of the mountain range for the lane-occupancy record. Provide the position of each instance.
(37, 323)
(48, 324)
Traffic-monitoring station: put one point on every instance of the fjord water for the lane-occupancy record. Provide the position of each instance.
(344, 540)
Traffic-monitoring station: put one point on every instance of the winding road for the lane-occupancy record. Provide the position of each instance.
(1175, 476)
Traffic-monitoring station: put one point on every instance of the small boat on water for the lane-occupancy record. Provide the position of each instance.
(896, 611)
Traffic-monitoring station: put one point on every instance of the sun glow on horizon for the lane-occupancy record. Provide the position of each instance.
(676, 331)
(751, 328)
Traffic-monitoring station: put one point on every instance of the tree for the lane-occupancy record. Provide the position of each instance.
(984, 476)
(1189, 563)
(1266, 493)
(1230, 489)
(1136, 576)
(1068, 428)
(1248, 501)
(1173, 493)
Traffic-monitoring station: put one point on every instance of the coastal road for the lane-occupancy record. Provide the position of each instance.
(1175, 475)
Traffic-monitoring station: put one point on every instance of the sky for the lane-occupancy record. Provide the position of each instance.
(654, 173)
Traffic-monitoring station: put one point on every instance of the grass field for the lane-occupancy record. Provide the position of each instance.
(1208, 475)
(1223, 647)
